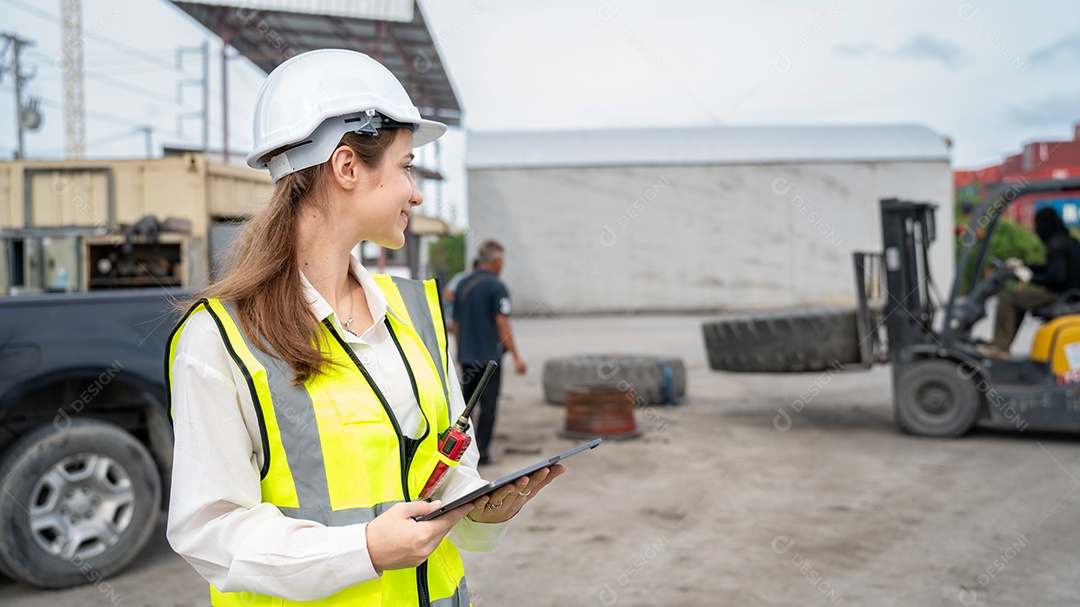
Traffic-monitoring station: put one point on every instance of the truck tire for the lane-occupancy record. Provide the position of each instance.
(77, 504)
(653, 379)
(783, 342)
(934, 399)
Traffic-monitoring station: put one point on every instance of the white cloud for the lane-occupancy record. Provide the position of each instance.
(923, 46)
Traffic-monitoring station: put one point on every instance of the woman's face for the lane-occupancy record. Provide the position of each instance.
(388, 193)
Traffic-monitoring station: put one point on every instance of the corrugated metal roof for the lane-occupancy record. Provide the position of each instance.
(378, 10)
(268, 36)
(708, 145)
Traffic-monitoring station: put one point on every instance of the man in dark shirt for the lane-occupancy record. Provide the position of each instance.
(1060, 273)
(482, 327)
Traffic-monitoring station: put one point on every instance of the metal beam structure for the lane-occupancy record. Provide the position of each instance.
(267, 33)
(74, 96)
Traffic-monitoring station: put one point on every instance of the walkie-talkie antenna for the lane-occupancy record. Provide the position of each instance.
(489, 370)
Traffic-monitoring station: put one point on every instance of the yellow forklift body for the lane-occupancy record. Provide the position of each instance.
(1056, 342)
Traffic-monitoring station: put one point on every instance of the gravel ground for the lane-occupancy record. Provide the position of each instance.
(722, 502)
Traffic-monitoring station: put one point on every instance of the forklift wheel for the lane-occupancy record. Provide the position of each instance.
(934, 399)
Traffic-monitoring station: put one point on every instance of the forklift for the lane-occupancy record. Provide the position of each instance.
(942, 385)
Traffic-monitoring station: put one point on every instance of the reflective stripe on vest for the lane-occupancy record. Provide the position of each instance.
(420, 304)
(333, 451)
(460, 598)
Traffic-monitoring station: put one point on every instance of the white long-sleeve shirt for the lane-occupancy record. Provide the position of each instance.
(217, 520)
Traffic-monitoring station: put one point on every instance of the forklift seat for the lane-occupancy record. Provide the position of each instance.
(1068, 303)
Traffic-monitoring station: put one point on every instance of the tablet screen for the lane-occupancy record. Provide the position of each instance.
(509, 478)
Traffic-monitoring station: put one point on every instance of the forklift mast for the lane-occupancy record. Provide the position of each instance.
(907, 229)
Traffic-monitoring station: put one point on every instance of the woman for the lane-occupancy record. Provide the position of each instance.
(307, 394)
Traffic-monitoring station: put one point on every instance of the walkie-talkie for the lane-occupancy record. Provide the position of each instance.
(455, 440)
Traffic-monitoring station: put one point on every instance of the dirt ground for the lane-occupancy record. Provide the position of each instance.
(724, 501)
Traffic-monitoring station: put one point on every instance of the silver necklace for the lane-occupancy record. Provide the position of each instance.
(347, 325)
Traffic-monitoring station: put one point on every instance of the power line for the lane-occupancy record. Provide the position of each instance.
(141, 54)
(95, 143)
(133, 88)
(34, 10)
(41, 56)
(55, 56)
(134, 52)
(126, 70)
(97, 115)
(100, 116)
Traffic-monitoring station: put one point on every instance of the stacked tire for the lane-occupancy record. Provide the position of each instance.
(652, 379)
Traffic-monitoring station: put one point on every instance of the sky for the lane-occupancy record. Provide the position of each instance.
(990, 75)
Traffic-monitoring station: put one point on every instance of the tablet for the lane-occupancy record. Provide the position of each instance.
(509, 478)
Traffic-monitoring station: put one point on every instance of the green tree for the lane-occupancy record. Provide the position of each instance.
(447, 254)
(1009, 240)
(1014, 240)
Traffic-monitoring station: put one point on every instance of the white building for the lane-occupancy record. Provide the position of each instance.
(698, 219)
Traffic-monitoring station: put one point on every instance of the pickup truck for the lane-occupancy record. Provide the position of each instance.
(85, 434)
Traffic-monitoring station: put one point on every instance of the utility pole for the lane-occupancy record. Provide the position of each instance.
(203, 82)
(438, 183)
(16, 45)
(225, 97)
(148, 132)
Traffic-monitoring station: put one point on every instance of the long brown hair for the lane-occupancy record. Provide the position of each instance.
(263, 280)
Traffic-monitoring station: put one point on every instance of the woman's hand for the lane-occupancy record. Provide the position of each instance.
(505, 502)
(396, 541)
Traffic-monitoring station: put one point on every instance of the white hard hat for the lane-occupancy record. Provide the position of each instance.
(308, 102)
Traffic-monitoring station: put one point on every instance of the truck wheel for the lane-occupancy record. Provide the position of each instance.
(783, 342)
(654, 379)
(934, 399)
(76, 504)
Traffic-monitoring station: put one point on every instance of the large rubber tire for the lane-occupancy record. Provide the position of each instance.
(653, 378)
(91, 482)
(783, 342)
(934, 399)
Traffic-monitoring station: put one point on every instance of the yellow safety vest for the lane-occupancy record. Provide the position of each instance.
(333, 451)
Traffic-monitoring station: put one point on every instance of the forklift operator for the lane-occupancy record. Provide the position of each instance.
(1061, 273)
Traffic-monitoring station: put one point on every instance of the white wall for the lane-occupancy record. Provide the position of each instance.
(691, 238)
